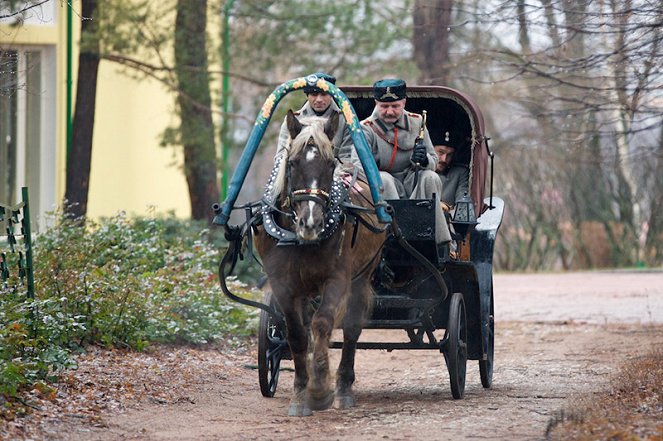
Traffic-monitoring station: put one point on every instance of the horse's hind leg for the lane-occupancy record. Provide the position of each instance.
(358, 307)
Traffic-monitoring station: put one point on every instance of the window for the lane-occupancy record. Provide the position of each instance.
(27, 127)
(8, 87)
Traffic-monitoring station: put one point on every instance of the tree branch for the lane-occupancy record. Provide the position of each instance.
(26, 8)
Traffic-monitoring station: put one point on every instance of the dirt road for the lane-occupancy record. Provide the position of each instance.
(557, 336)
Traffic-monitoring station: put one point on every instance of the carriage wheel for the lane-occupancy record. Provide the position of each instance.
(486, 366)
(456, 354)
(272, 348)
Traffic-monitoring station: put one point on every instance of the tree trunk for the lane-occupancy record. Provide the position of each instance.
(430, 38)
(523, 34)
(626, 168)
(551, 23)
(654, 241)
(80, 155)
(197, 130)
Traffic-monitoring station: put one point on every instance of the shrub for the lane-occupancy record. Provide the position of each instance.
(118, 282)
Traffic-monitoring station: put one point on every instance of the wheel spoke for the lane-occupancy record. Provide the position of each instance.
(456, 355)
(274, 353)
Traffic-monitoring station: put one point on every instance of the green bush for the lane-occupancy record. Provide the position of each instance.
(120, 283)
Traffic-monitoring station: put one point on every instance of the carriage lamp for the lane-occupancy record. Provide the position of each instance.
(464, 218)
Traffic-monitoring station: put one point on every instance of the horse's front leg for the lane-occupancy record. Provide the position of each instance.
(359, 305)
(297, 335)
(320, 392)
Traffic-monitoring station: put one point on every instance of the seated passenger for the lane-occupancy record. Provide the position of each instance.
(454, 176)
(407, 170)
(320, 103)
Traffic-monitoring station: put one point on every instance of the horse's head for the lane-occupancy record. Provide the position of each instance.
(310, 172)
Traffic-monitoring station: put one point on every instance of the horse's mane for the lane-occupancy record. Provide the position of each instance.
(314, 127)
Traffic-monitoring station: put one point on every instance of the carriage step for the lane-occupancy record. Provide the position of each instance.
(381, 302)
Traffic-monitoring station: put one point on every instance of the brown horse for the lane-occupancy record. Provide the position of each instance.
(336, 264)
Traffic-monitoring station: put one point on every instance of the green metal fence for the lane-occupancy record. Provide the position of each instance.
(16, 268)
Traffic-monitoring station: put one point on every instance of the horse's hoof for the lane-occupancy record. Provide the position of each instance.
(323, 403)
(344, 402)
(299, 410)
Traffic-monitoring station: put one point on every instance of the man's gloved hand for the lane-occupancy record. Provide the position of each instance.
(419, 154)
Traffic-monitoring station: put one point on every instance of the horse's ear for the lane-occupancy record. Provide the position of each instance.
(294, 126)
(331, 125)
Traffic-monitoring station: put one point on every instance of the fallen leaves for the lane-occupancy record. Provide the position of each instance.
(111, 381)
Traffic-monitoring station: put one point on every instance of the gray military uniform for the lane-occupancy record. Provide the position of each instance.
(455, 182)
(342, 142)
(392, 146)
(392, 158)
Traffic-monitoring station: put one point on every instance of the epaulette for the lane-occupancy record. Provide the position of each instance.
(297, 113)
(415, 115)
(367, 122)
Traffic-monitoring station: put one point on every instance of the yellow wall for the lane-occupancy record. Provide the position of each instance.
(130, 171)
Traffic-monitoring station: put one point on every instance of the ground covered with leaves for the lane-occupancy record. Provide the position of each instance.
(631, 408)
(108, 381)
(210, 392)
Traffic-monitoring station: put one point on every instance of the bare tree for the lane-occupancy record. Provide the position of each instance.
(582, 83)
(654, 239)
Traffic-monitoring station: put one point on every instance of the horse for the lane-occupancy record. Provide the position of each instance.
(337, 267)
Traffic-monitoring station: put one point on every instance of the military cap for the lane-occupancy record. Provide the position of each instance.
(391, 89)
(313, 89)
(443, 136)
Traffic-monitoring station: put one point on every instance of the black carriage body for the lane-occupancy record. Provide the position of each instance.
(404, 290)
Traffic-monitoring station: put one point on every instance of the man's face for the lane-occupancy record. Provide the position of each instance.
(445, 155)
(390, 111)
(319, 101)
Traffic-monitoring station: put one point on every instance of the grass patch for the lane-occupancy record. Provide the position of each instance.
(630, 409)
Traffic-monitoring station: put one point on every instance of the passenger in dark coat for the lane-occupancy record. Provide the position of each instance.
(453, 175)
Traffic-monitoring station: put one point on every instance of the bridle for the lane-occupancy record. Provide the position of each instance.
(316, 195)
(330, 200)
(311, 194)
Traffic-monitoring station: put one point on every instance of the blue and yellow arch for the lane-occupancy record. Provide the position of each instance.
(262, 120)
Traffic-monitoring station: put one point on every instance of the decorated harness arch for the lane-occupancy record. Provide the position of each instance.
(262, 120)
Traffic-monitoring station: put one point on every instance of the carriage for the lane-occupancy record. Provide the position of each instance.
(420, 288)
